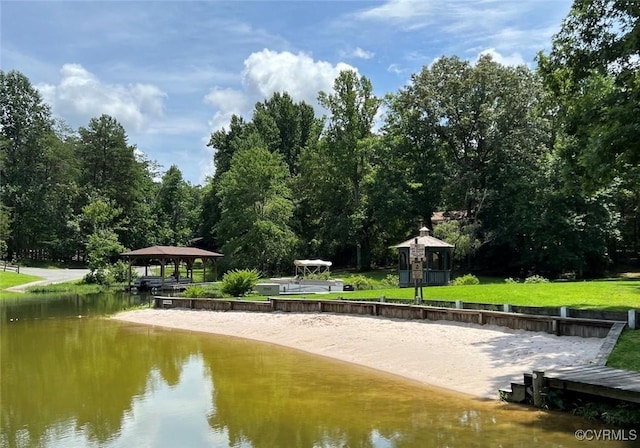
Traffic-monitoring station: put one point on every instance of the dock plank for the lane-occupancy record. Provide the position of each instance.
(597, 380)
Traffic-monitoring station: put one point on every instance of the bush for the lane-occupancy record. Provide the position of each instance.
(360, 282)
(238, 283)
(510, 281)
(536, 279)
(197, 292)
(467, 279)
(391, 281)
(100, 277)
(120, 272)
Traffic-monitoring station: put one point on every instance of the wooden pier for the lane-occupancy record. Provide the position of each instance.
(594, 380)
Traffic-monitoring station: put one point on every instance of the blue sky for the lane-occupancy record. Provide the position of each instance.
(172, 72)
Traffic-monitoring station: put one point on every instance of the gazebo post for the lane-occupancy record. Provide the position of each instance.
(162, 272)
(129, 276)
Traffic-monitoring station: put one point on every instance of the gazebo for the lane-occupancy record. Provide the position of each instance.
(437, 256)
(175, 255)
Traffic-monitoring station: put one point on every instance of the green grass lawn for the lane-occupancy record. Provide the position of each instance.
(625, 354)
(602, 294)
(9, 279)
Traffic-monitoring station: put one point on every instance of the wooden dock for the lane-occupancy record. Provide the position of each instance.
(594, 380)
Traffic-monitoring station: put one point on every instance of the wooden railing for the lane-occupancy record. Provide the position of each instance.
(6, 266)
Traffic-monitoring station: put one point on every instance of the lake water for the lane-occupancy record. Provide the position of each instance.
(72, 377)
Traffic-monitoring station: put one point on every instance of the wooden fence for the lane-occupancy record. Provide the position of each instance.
(561, 326)
(10, 267)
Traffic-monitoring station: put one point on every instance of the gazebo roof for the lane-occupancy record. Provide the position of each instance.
(171, 251)
(425, 239)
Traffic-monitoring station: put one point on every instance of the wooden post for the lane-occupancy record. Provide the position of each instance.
(631, 321)
(538, 385)
(129, 275)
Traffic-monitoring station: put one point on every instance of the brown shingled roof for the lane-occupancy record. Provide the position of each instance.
(171, 251)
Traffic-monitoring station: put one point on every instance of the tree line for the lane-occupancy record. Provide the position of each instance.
(540, 168)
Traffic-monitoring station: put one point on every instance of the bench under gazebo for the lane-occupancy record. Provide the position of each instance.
(437, 256)
(175, 255)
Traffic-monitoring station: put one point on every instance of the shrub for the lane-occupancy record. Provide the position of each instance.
(360, 282)
(99, 276)
(467, 279)
(197, 292)
(391, 281)
(510, 281)
(536, 279)
(238, 283)
(120, 272)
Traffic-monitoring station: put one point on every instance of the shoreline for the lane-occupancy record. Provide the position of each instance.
(465, 358)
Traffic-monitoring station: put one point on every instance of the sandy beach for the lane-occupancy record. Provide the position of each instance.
(471, 359)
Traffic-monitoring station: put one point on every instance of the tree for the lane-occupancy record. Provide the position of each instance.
(593, 75)
(470, 138)
(285, 127)
(225, 143)
(256, 208)
(348, 148)
(109, 167)
(463, 237)
(25, 132)
(101, 217)
(172, 208)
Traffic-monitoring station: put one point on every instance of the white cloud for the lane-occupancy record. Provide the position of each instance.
(82, 96)
(267, 72)
(394, 68)
(514, 59)
(227, 102)
(414, 14)
(360, 53)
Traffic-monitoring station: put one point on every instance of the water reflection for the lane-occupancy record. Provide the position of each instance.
(92, 381)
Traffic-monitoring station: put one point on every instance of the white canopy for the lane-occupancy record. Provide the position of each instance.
(312, 263)
(306, 267)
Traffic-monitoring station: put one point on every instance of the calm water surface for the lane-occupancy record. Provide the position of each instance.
(71, 377)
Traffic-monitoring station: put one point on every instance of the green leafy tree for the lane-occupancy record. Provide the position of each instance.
(25, 131)
(348, 148)
(109, 167)
(172, 208)
(256, 208)
(471, 138)
(103, 247)
(225, 143)
(5, 231)
(285, 127)
(462, 236)
(593, 75)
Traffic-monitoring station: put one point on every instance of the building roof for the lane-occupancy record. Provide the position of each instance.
(443, 216)
(426, 239)
(171, 251)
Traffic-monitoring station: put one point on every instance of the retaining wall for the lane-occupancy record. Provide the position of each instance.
(561, 326)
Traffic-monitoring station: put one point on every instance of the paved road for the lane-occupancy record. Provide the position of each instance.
(50, 276)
